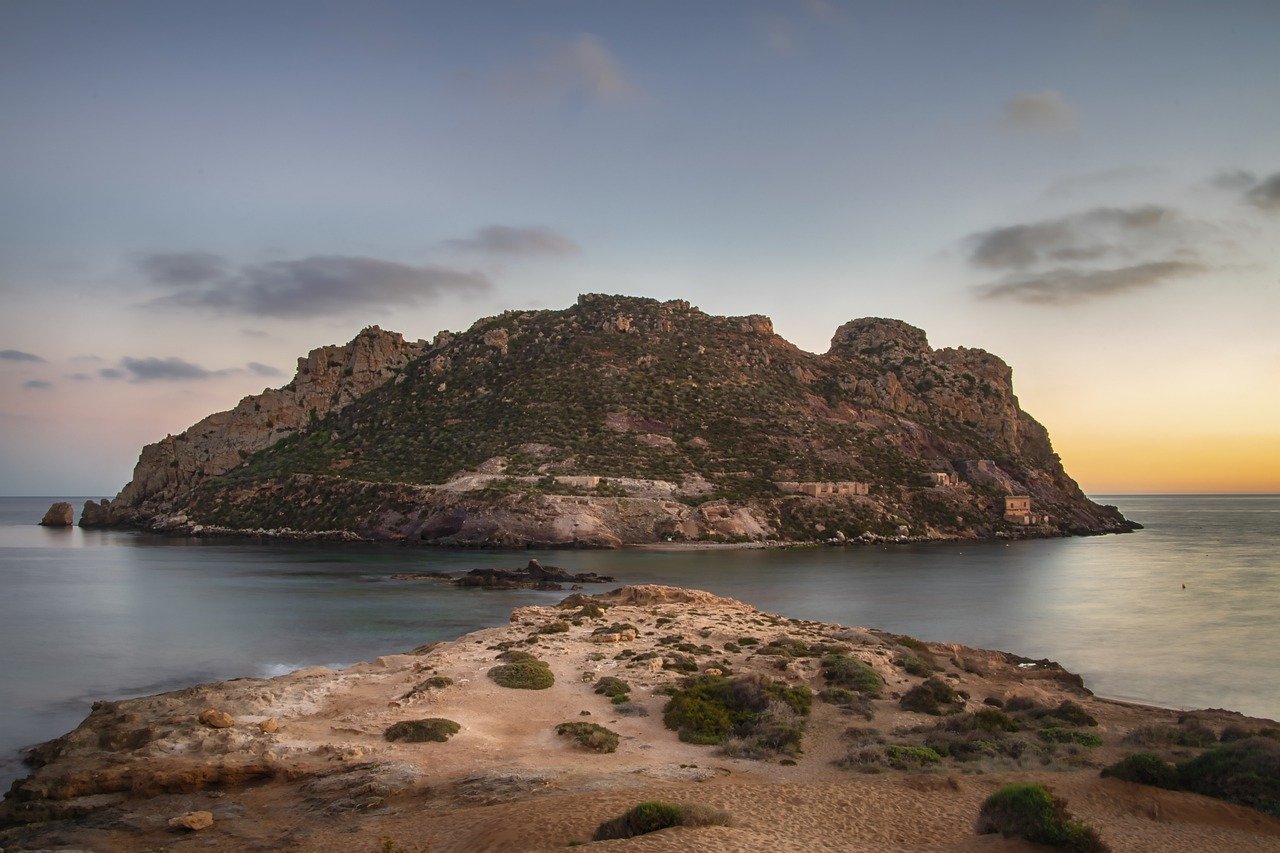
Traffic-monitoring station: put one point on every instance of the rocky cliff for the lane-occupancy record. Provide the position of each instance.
(328, 379)
(620, 420)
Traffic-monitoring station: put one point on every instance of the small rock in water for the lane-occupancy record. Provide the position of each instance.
(59, 514)
(193, 821)
(215, 719)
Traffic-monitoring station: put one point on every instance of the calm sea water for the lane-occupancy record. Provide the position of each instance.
(109, 614)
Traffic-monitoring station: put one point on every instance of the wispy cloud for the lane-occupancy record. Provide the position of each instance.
(1068, 286)
(37, 385)
(513, 240)
(1083, 236)
(1266, 195)
(581, 67)
(19, 355)
(183, 268)
(257, 368)
(111, 373)
(1233, 179)
(167, 369)
(1044, 112)
(307, 287)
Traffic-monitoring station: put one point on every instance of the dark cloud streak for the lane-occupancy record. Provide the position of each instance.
(1069, 286)
(19, 355)
(1266, 195)
(1087, 235)
(511, 240)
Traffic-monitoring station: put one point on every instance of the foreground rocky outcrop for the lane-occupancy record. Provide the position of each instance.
(620, 421)
(307, 761)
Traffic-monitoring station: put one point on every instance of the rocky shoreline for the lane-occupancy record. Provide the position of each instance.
(862, 740)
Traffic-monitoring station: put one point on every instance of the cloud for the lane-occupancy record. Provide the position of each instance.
(254, 333)
(1083, 236)
(80, 377)
(581, 67)
(1266, 195)
(171, 369)
(37, 385)
(784, 28)
(257, 368)
(111, 373)
(1233, 179)
(19, 355)
(1039, 112)
(509, 240)
(320, 285)
(1067, 286)
(182, 269)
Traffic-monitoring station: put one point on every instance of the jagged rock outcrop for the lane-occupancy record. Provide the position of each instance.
(328, 379)
(619, 420)
(59, 514)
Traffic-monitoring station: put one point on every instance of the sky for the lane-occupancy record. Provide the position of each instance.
(192, 195)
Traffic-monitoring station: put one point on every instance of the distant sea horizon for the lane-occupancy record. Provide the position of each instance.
(1180, 614)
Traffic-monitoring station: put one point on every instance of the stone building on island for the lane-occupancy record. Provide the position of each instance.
(1017, 509)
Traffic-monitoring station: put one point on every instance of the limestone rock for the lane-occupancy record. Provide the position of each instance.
(59, 514)
(194, 821)
(269, 726)
(215, 719)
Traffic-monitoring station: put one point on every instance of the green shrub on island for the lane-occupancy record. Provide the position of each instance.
(653, 815)
(1030, 811)
(435, 682)
(422, 731)
(849, 701)
(932, 696)
(1145, 769)
(1072, 713)
(590, 736)
(847, 671)
(1194, 735)
(765, 716)
(913, 665)
(525, 672)
(557, 627)
(902, 756)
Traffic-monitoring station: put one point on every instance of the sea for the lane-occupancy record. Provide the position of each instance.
(1182, 614)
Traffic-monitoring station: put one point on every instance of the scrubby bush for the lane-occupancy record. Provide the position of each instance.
(932, 696)
(435, 682)
(616, 689)
(557, 627)
(913, 665)
(590, 736)
(1030, 811)
(653, 815)
(1072, 713)
(853, 703)
(842, 670)
(1145, 769)
(590, 610)
(421, 731)
(527, 673)
(712, 709)
(1195, 735)
(1245, 772)
(910, 757)
(1059, 734)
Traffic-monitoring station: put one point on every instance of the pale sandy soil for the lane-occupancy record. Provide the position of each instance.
(328, 780)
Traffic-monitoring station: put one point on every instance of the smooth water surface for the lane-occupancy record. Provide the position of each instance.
(110, 614)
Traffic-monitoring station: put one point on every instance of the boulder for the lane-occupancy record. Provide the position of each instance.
(215, 719)
(269, 726)
(59, 514)
(193, 821)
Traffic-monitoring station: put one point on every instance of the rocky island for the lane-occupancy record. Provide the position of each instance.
(619, 421)
(643, 708)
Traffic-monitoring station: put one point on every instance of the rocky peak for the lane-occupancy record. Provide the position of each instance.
(328, 378)
(879, 337)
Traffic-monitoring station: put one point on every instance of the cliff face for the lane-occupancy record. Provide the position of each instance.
(328, 379)
(623, 420)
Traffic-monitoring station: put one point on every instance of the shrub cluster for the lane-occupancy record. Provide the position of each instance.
(421, 731)
(522, 671)
(590, 736)
(846, 671)
(654, 815)
(932, 696)
(766, 716)
(1246, 772)
(1030, 811)
(616, 689)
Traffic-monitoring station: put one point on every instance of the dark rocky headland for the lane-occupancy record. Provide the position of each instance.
(619, 421)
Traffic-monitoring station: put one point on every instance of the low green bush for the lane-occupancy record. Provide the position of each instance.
(590, 736)
(910, 757)
(422, 731)
(1060, 734)
(766, 715)
(932, 696)
(1030, 811)
(654, 815)
(1073, 714)
(616, 689)
(842, 670)
(525, 674)
(1145, 769)
(1244, 771)
(557, 627)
